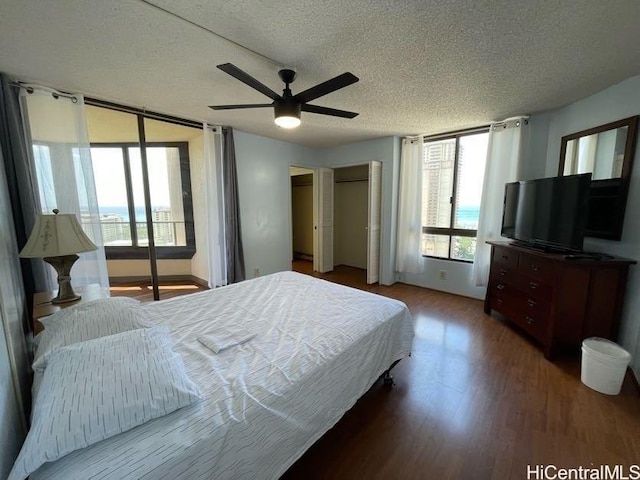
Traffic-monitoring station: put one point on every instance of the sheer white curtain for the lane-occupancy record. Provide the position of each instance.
(56, 128)
(408, 256)
(215, 206)
(504, 157)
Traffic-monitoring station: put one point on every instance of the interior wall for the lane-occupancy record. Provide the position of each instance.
(14, 360)
(351, 206)
(616, 102)
(302, 213)
(264, 188)
(142, 268)
(387, 151)
(200, 261)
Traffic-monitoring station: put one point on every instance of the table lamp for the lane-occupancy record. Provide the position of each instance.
(56, 239)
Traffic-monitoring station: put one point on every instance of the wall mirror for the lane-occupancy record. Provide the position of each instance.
(607, 153)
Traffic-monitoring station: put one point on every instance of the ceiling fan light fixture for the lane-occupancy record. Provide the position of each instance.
(287, 114)
(287, 122)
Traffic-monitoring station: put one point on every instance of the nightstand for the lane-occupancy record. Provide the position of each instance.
(42, 306)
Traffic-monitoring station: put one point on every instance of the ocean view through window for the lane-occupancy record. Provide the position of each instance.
(453, 170)
(120, 192)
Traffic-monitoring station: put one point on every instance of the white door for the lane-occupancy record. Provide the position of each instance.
(373, 223)
(323, 220)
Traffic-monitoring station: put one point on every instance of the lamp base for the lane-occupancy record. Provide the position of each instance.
(62, 266)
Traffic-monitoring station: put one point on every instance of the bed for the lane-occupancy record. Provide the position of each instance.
(316, 347)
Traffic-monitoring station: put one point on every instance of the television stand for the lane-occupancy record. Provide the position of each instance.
(556, 300)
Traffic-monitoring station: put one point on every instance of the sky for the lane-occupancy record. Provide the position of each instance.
(108, 170)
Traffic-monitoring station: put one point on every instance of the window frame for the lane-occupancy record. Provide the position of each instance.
(141, 252)
(451, 231)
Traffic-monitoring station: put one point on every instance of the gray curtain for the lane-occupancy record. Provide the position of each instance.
(22, 182)
(235, 255)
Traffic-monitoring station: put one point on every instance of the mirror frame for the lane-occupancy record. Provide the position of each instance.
(614, 191)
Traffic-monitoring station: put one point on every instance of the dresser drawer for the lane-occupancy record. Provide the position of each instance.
(534, 288)
(537, 268)
(504, 297)
(505, 257)
(504, 273)
(534, 323)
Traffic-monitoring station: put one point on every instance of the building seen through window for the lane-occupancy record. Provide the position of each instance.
(453, 171)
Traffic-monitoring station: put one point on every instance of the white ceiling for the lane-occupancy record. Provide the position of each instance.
(424, 66)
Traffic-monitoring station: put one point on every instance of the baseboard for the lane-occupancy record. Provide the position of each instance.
(162, 280)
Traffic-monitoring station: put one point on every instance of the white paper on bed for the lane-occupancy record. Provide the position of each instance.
(319, 347)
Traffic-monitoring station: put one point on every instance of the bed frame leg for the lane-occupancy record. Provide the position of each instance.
(386, 377)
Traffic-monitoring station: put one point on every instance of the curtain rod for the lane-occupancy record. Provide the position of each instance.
(54, 93)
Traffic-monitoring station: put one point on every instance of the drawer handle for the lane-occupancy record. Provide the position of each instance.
(529, 320)
(500, 286)
(502, 272)
(499, 301)
(534, 267)
(533, 285)
(505, 257)
(531, 303)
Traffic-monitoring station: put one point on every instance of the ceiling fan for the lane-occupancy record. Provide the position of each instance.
(287, 107)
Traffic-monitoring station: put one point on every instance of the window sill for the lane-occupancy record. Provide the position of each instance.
(142, 253)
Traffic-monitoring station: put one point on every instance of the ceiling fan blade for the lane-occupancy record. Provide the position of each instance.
(327, 87)
(248, 80)
(328, 111)
(231, 107)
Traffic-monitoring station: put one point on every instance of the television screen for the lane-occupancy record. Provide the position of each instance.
(547, 213)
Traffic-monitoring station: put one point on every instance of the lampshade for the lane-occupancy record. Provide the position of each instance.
(56, 235)
(287, 113)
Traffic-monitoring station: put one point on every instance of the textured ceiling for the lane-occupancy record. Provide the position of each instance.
(424, 66)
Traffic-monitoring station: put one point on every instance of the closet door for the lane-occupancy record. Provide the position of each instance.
(373, 227)
(323, 220)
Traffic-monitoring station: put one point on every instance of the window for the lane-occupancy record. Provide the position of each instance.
(120, 190)
(453, 170)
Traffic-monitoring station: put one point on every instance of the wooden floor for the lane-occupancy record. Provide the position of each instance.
(476, 400)
(144, 292)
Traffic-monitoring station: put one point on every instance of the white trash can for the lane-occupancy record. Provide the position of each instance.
(604, 364)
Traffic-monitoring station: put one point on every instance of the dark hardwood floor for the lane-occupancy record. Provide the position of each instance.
(476, 400)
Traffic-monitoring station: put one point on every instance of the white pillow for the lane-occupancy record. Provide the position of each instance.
(98, 318)
(99, 388)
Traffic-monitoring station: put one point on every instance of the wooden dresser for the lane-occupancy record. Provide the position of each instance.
(556, 300)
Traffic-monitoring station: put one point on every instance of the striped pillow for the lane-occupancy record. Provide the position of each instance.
(98, 318)
(99, 388)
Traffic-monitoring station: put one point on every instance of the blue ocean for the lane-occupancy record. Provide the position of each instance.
(468, 216)
(123, 211)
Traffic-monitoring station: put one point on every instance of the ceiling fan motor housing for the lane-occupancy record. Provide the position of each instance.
(287, 75)
(287, 107)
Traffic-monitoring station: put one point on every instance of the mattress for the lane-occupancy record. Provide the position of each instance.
(318, 347)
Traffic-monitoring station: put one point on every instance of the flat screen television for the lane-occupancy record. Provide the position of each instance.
(548, 213)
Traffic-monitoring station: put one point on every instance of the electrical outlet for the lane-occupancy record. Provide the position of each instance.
(256, 272)
(442, 275)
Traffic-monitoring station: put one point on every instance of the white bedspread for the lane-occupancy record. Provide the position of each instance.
(318, 347)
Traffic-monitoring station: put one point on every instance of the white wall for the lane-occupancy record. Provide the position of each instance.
(264, 188)
(200, 261)
(614, 103)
